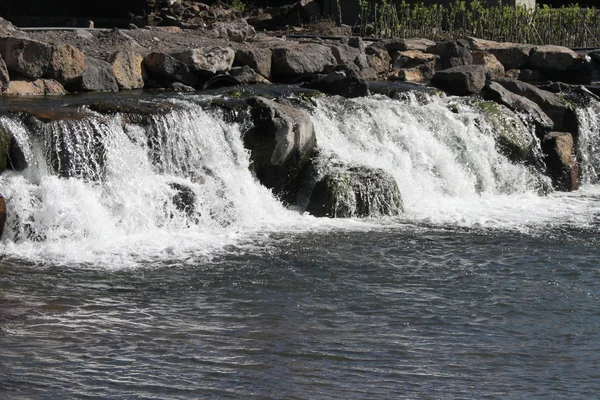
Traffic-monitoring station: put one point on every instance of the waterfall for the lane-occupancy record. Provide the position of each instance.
(589, 142)
(116, 190)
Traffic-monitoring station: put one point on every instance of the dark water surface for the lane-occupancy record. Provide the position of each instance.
(400, 313)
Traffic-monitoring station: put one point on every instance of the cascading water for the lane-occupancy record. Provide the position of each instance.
(114, 191)
(589, 142)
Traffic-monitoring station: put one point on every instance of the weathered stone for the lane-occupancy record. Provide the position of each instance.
(379, 60)
(163, 67)
(344, 83)
(28, 58)
(561, 164)
(347, 55)
(39, 87)
(408, 44)
(127, 69)
(4, 77)
(247, 76)
(493, 68)
(7, 29)
(238, 31)
(356, 192)
(460, 81)
(510, 55)
(257, 59)
(411, 58)
(207, 60)
(565, 119)
(496, 92)
(302, 59)
(97, 77)
(180, 87)
(553, 58)
(281, 145)
(453, 53)
(67, 64)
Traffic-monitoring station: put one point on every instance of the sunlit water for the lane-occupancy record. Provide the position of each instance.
(481, 289)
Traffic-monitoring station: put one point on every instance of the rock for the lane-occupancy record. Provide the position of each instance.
(553, 58)
(411, 58)
(496, 92)
(6, 140)
(163, 67)
(11, 155)
(379, 60)
(510, 55)
(356, 192)
(344, 83)
(238, 31)
(408, 44)
(97, 77)
(180, 87)
(257, 59)
(7, 29)
(355, 41)
(493, 68)
(4, 77)
(565, 119)
(28, 58)
(67, 64)
(184, 198)
(302, 59)
(39, 87)
(127, 69)
(527, 75)
(207, 60)
(460, 81)
(560, 161)
(247, 76)
(408, 75)
(281, 144)
(349, 56)
(452, 54)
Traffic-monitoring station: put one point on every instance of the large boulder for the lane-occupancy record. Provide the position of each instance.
(67, 64)
(493, 68)
(350, 56)
(344, 83)
(565, 118)
(453, 53)
(238, 31)
(561, 164)
(510, 55)
(522, 105)
(97, 77)
(28, 58)
(556, 58)
(127, 69)
(164, 68)
(257, 59)
(460, 81)
(379, 60)
(207, 60)
(39, 87)
(4, 77)
(281, 144)
(356, 192)
(301, 59)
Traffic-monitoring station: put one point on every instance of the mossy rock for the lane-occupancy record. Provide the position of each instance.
(356, 192)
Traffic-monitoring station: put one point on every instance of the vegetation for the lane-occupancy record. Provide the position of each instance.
(570, 26)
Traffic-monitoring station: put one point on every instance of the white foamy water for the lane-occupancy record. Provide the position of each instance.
(118, 206)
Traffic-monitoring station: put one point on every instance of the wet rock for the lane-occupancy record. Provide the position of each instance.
(510, 55)
(460, 81)
(97, 77)
(165, 68)
(28, 58)
(302, 59)
(39, 87)
(565, 119)
(496, 92)
(493, 68)
(184, 198)
(356, 192)
(344, 83)
(257, 59)
(67, 64)
(180, 87)
(237, 31)
(247, 76)
(453, 53)
(11, 155)
(561, 164)
(207, 60)
(127, 69)
(4, 77)
(281, 143)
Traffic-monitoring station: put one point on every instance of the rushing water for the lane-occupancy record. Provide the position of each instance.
(481, 289)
